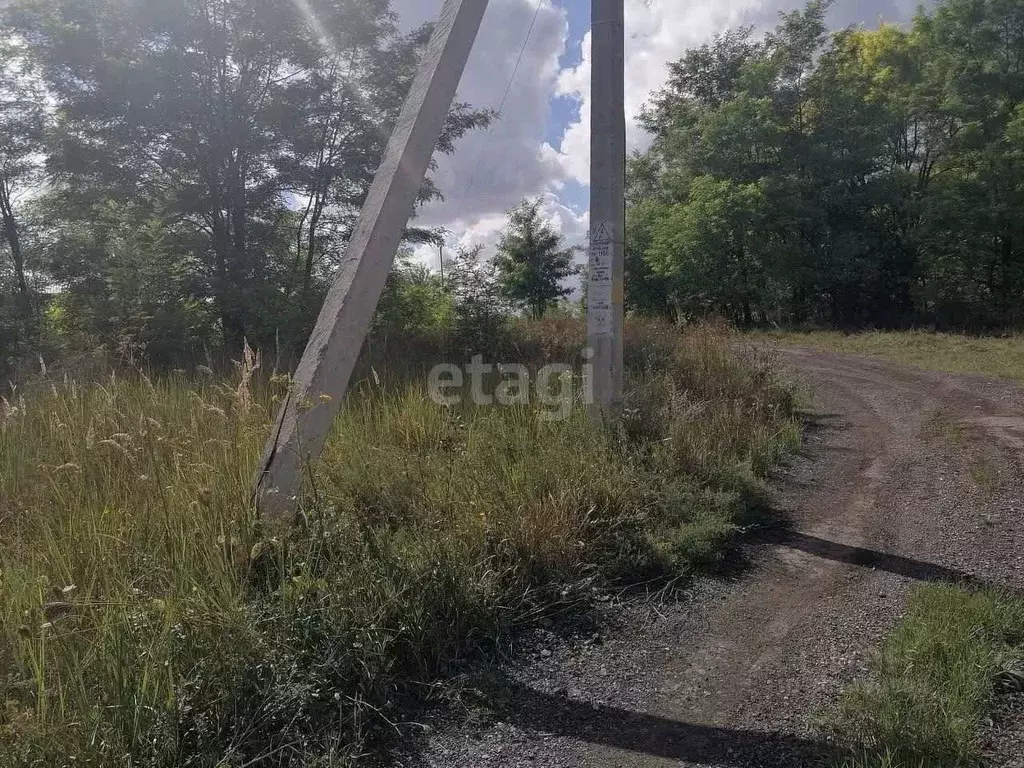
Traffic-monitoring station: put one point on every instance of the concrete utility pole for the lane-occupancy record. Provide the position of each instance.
(322, 378)
(606, 291)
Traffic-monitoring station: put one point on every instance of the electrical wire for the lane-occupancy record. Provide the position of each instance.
(501, 106)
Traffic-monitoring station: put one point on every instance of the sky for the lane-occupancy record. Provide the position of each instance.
(540, 144)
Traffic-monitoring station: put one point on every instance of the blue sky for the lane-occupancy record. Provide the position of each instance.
(540, 145)
(565, 109)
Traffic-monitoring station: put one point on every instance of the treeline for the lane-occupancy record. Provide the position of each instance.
(862, 178)
(181, 174)
(177, 175)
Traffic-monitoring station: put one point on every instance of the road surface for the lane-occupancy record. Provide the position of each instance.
(908, 476)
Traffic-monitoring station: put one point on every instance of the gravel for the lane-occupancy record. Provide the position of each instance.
(742, 669)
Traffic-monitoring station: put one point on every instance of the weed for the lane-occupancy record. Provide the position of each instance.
(145, 619)
(939, 425)
(935, 681)
(984, 475)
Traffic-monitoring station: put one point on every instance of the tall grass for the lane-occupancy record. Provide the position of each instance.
(145, 618)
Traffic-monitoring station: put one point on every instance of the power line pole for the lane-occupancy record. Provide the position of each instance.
(606, 289)
(322, 378)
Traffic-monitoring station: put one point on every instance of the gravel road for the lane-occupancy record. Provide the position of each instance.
(908, 476)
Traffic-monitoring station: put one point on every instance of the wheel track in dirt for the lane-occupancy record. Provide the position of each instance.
(739, 677)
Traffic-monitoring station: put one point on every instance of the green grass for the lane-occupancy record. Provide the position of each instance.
(935, 681)
(1001, 356)
(939, 425)
(145, 618)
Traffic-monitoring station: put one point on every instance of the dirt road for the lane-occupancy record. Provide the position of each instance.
(909, 476)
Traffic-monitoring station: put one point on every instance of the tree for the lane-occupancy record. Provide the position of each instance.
(711, 248)
(532, 262)
(886, 164)
(479, 311)
(22, 127)
(970, 235)
(413, 300)
(648, 292)
(334, 148)
(250, 127)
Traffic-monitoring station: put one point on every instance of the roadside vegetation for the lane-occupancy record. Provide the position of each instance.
(865, 177)
(146, 619)
(1001, 356)
(178, 183)
(937, 681)
(149, 185)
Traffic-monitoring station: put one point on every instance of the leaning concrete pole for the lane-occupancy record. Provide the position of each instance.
(605, 293)
(322, 378)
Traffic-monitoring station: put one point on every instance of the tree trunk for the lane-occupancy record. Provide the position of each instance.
(238, 272)
(14, 243)
(1008, 283)
(234, 328)
(748, 315)
(314, 226)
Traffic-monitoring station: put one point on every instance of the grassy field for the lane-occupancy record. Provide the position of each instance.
(1001, 356)
(936, 681)
(145, 618)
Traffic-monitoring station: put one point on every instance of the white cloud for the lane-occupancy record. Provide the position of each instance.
(486, 230)
(492, 170)
(657, 32)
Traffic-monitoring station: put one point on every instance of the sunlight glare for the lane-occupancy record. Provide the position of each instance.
(322, 35)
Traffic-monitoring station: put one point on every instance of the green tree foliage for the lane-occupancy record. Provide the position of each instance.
(868, 177)
(532, 261)
(476, 295)
(647, 292)
(711, 247)
(209, 157)
(22, 127)
(414, 299)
